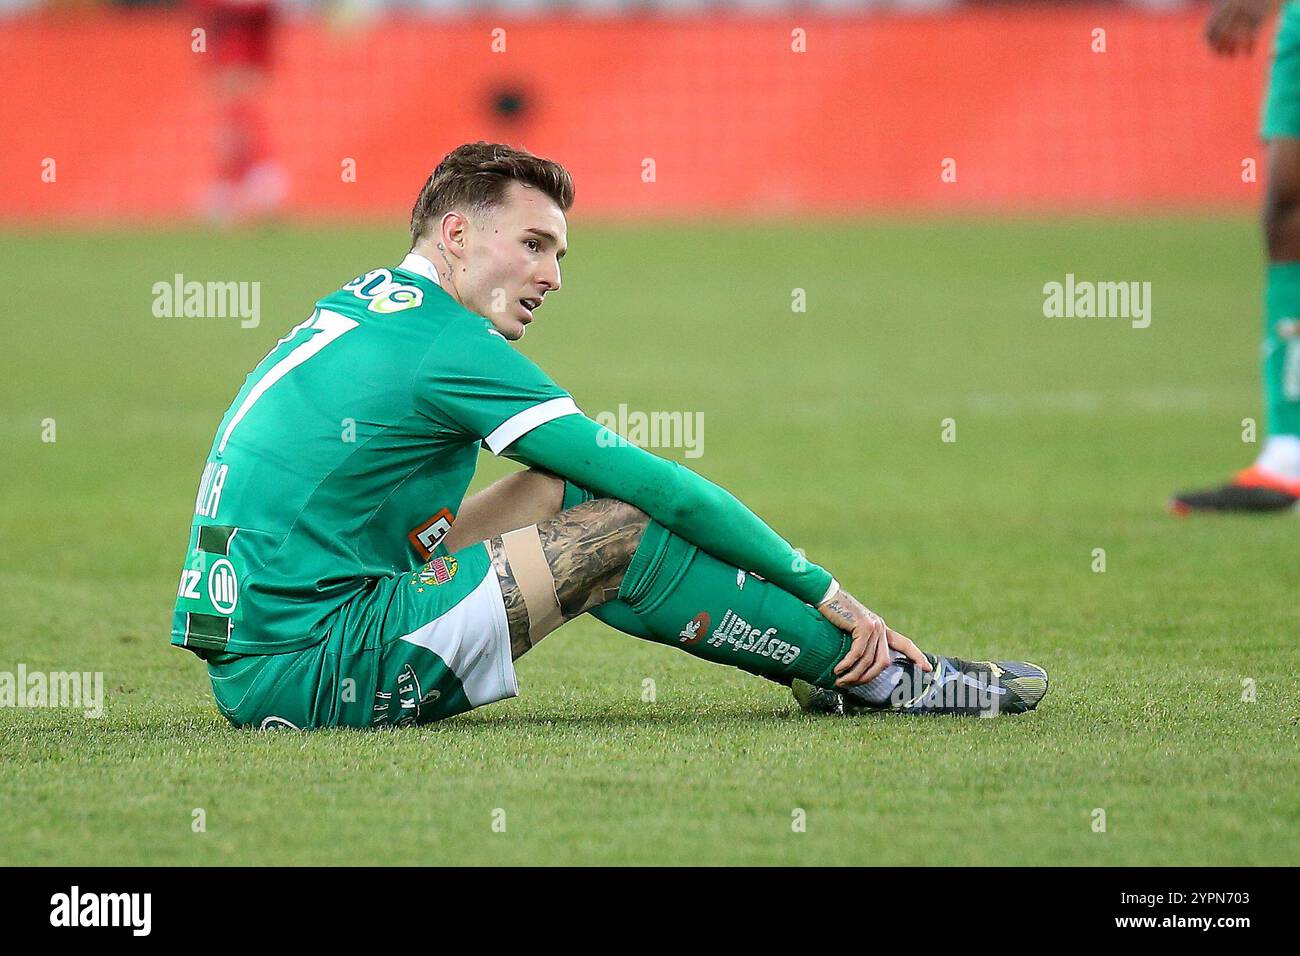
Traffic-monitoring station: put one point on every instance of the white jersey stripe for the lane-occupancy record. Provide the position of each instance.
(523, 422)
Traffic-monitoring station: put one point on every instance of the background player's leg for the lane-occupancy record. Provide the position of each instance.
(1272, 483)
(1281, 353)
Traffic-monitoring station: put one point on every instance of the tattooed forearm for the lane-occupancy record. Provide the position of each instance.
(588, 549)
(843, 610)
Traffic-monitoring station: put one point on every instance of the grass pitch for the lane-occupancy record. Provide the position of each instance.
(1071, 433)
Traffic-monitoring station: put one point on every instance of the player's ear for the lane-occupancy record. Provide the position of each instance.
(452, 231)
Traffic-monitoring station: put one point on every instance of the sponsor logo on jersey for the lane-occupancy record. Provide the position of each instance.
(438, 571)
(695, 629)
(189, 586)
(223, 586)
(425, 536)
(735, 631)
(383, 293)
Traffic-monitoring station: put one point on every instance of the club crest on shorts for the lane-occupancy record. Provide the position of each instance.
(695, 629)
(438, 571)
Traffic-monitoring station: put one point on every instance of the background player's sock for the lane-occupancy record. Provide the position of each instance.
(1281, 456)
(689, 599)
(1282, 359)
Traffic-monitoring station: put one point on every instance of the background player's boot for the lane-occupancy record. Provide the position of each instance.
(955, 686)
(1252, 490)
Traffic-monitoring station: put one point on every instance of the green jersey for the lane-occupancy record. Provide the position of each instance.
(345, 457)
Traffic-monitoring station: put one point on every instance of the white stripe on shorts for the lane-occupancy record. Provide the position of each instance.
(473, 639)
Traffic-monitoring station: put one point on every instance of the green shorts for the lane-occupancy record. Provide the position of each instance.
(1282, 102)
(414, 648)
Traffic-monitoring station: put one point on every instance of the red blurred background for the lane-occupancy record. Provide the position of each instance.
(733, 115)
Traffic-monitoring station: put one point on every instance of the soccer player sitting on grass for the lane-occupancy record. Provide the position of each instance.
(336, 577)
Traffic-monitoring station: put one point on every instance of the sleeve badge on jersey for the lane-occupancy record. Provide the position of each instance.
(425, 536)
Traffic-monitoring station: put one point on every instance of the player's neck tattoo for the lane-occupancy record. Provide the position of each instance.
(447, 274)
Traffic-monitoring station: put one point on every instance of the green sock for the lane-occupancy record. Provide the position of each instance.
(689, 599)
(1282, 349)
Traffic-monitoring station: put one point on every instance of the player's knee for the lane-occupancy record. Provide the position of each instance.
(604, 515)
(619, 526)
(630, 520)
(629, 516)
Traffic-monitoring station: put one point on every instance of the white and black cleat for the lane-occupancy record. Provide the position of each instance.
(955, 686)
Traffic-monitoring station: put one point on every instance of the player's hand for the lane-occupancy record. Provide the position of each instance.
(872, 640)
(1233, 24)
